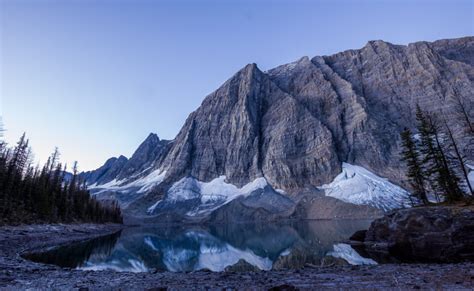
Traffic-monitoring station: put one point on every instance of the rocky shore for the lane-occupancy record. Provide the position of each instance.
(17, 273)
(435, 234)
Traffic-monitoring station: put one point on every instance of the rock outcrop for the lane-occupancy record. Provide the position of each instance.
(427, 234)
(295, 125)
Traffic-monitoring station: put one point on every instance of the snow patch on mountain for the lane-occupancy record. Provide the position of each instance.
(143, 184)
(211, 195)
(287, 69)
(359, 186)
(149, 181)
(217, 189)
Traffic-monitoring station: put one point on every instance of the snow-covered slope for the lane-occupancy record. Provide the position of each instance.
(204, 197)
(357, 185)
(141, 185)
(126, 191)
(192, 198)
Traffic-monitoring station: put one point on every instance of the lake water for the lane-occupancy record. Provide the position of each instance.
(289, 245)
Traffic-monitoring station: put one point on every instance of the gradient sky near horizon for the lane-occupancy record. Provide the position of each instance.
(96, 77)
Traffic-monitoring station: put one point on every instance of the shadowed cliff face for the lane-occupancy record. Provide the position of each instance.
(296, 124)
(250, 128)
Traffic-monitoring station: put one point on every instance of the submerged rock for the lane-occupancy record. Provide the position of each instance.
(242, 266)
(426, 234)
(330, 261)
(358, 235)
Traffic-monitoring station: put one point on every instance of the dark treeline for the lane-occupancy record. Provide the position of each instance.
(32, 194)
(436, 156)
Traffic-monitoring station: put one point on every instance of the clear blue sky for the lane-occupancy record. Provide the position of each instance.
(95, 77)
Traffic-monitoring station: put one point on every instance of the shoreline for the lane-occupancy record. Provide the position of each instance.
(19, 273)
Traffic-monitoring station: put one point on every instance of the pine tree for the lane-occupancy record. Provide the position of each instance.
(29, 194)
(14, 175)
(459, 157)
(462, 113)
(435, 161)
(415, 173)
(448, 180)
(427, 148)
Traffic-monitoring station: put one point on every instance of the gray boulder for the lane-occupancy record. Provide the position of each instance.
(426, 234)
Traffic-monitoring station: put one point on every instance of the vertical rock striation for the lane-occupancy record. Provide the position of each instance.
(296, 124)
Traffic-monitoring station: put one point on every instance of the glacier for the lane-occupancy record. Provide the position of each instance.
(217, 189)
(354, 184)
(358, 185)
(210, 195)
(143, 184)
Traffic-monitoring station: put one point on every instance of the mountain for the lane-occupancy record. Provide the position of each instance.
(288, 141)
(107, 172)
(121, 168)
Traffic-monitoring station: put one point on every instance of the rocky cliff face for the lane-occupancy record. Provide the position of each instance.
(250, 128)
(292, 127)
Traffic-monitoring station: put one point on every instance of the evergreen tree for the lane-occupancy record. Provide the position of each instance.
(447, 178)
(415, 173)
(427, 149)
(459, 157)
(41, 194)
(435, 161)
(463, 114)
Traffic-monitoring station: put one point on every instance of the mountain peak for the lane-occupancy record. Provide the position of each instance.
(249, 70)
(250, 67)
(148, 144)
(304, 59)
(152, 137)
(378, 44)
(122, 158)
(287, 69)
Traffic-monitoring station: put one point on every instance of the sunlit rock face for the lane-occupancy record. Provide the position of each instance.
(294, 127)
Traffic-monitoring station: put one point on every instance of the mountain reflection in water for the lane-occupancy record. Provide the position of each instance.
(289, 245)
